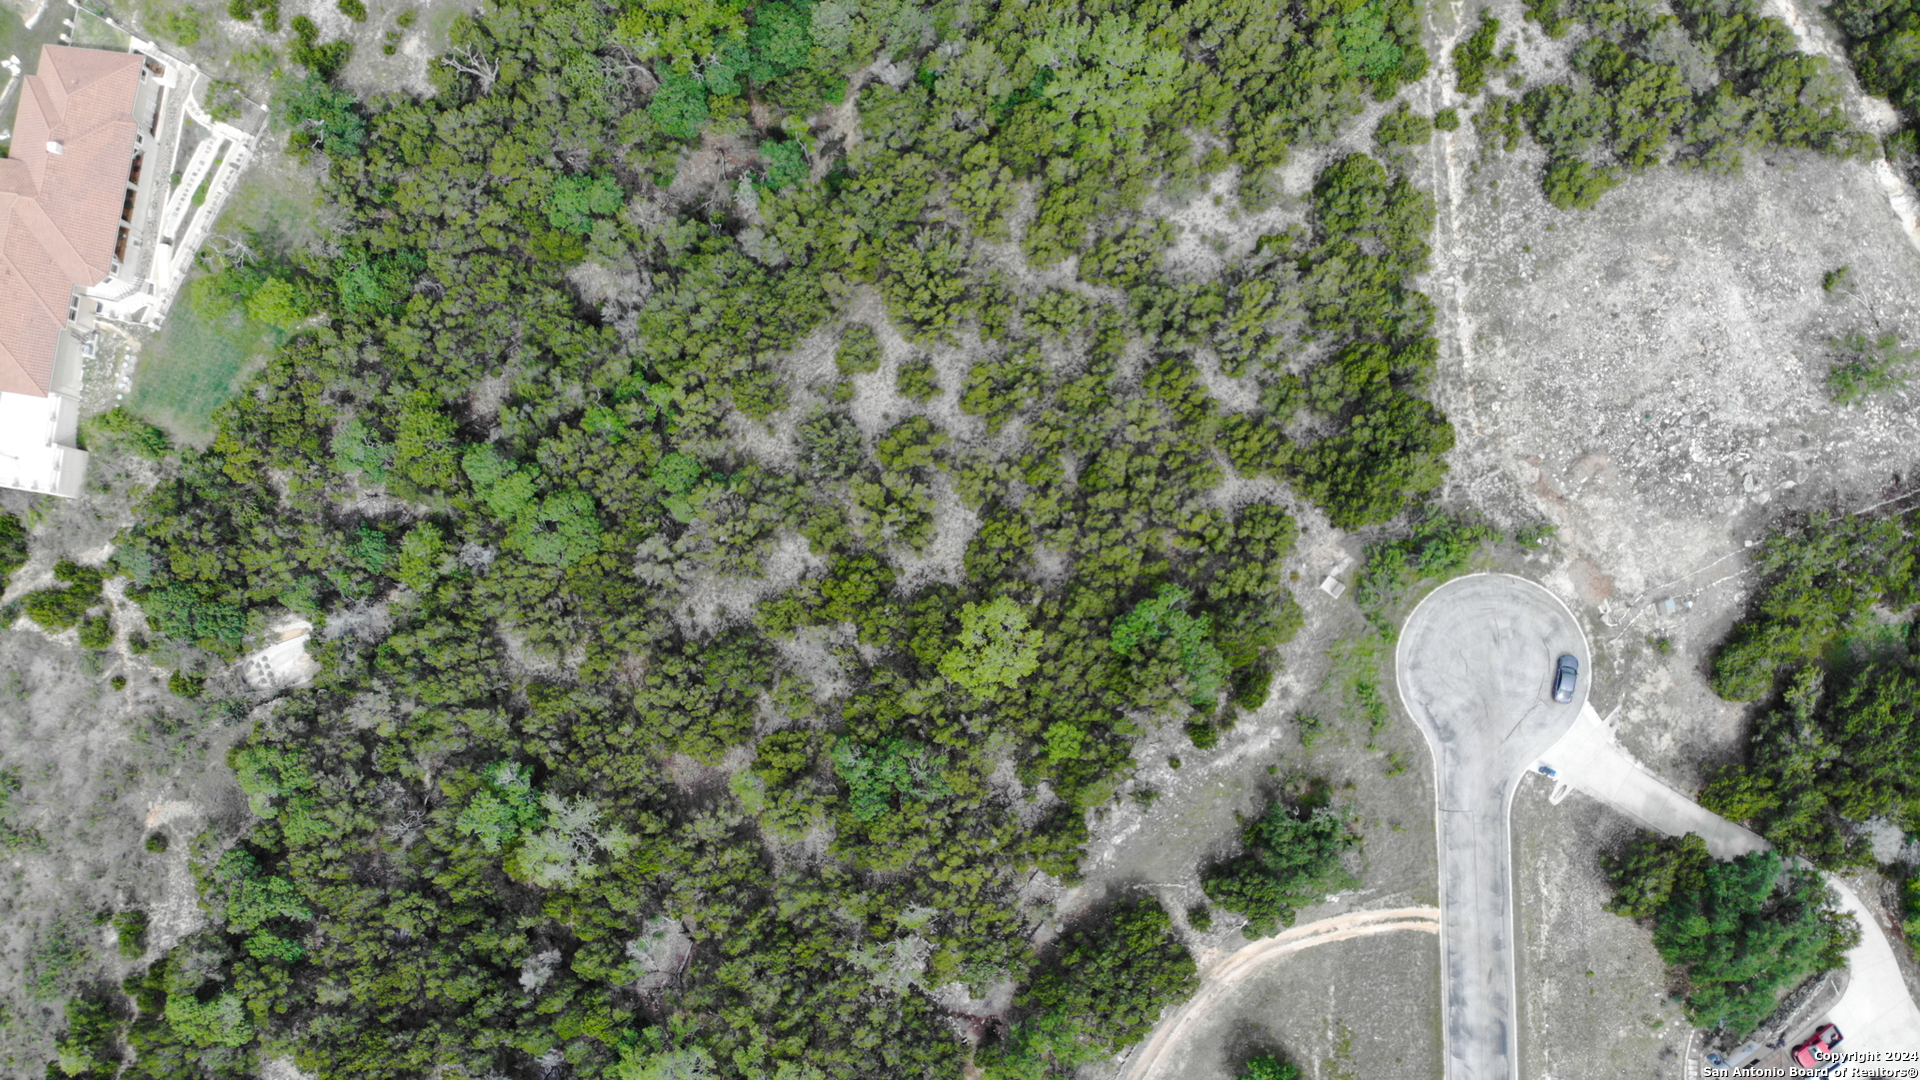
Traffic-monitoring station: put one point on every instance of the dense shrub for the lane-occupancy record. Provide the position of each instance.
(1841, 743)
(1294, 855)
(1474, 59)
(1737, 934)
(1699, 87)
(512, 447)
(64, 606)
(1100, 991)
(13, 546)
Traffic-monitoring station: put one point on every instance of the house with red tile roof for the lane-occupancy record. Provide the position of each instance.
(69, 192)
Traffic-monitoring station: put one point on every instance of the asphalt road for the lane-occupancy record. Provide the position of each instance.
(1474, 668)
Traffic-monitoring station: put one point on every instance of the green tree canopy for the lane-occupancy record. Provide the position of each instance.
(997, 647)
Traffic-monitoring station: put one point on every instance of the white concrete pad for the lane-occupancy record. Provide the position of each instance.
(282, 665)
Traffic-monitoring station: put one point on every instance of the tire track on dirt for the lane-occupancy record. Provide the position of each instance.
(1221, 977)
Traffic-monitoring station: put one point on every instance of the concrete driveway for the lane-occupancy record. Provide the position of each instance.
(1474, 668)
(1588, 760)
(1876, 1014)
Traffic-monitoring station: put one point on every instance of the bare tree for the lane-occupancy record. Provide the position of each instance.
(465, 60)
(232, 248)
(628, 67)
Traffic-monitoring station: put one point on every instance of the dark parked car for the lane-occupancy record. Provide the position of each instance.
(1566, 674)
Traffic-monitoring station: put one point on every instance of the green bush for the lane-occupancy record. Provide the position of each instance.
(323, 60)
(786, 164)
(89, 1048)
(679, 106)
(1402, 127)
(181, 25)
(60, 608)
(918, 380)
(96, 632)
(352, 9)
(1162, 622)
(278, 303)
(1474, 60)
(859, 350)
(1550, 15)
(995, 650)
(119, 429)
(13, 547)
(317, 116)
(1269, 1067)
(131, 929)
(157, 842)
(1883, 41)
(181, 684)
(1815, 576)
(1440, 547)
(1293, 855)
(1100, 991)
(1200, 917)
(1865, 366)
(577, 200)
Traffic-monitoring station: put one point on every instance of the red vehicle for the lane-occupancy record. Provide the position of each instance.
(1824, 1040)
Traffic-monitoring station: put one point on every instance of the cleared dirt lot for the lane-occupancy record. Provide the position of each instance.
(99, 770)
(1648, 376)
(1593, 993)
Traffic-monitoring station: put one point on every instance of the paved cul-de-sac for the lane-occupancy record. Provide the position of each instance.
(1475, 667)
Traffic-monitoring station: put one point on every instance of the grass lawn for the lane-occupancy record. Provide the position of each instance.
(195, 362)
(89, 29)
(192, 365)
(17, 40)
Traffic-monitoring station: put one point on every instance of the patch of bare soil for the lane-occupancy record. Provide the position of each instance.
(1367, 1006)
(1649, 378)
(99, 771)
(1593, 992)
(1172, 1048)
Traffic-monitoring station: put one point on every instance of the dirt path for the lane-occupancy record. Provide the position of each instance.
(1449, 282)
(1223, 975)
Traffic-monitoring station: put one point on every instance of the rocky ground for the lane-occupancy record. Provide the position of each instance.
(100, 770)
(1649, 377)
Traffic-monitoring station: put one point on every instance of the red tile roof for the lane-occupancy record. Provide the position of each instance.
(61, 193)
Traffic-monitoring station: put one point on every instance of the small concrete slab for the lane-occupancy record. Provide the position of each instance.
(282, 665)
